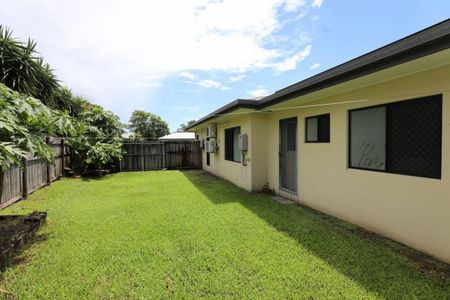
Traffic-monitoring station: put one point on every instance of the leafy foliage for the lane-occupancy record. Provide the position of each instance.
(148, 126)
(24, 123)
(183, 126)
(101, 154)
(22, 70)
(99, 142)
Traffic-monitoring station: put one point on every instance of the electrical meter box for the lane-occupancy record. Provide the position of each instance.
(243, 142)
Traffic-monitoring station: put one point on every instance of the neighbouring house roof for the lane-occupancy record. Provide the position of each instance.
(178, 136)
(425, 42)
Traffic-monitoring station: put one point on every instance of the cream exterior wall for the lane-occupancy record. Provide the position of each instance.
(411, 210)
(232, 171)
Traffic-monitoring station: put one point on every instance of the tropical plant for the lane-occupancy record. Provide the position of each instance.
(24, 120)
(99, 142)
(145, 125)
(24, 124)
(22, 70)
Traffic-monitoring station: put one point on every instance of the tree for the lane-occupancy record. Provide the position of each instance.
(145, 125)
(95, 134)
(99, 142)
(183, 126)
(22, 70)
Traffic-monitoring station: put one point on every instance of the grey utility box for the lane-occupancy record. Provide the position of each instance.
(243, 142)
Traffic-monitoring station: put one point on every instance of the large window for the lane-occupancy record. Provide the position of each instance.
(403, 137)
(318, 129)
(232, 152)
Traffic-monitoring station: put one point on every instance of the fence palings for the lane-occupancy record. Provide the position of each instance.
(143, 156)
(36, 173)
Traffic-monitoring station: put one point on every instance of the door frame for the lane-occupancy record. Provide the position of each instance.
(296, 156)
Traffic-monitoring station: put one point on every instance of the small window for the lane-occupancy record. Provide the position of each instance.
(318, 129)
(401, 138)
(232, 152)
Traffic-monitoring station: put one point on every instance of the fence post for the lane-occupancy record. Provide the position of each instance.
(63, 163)
(24, 179)
(163, 155)
(142, 156)
(49, 179)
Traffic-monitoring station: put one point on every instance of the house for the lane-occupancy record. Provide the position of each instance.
(367, 141)
(178, 137)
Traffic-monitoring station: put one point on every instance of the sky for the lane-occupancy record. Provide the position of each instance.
(183, 59)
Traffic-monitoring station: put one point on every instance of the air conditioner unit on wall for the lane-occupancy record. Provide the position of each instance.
(211, 131)
(211, 146)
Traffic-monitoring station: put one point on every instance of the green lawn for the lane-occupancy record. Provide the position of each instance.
(187, 234)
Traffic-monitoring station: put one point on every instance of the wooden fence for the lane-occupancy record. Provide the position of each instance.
(19, 182)
(143, 156)
(140, 156)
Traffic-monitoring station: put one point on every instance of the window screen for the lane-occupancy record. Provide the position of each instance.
(403, 137)
(292, 133)
(232, 151)
(414, 131)
(318, 129)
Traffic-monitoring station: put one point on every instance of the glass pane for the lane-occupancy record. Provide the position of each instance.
(368, 138)
(236, 151)
(311, 130)
(229, 144)
(324, 129)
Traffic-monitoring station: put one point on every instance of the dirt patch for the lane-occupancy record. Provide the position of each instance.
(15, 232)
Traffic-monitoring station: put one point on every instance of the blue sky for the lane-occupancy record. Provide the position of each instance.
(183, 59)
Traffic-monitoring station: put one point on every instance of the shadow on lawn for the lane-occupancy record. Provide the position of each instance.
(347, 248)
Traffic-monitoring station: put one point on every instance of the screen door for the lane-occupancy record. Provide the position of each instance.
(288, 155)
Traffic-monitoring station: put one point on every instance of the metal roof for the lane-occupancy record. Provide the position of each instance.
(422, 43)
(178, 136)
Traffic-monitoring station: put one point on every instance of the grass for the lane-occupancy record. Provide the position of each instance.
(171, 234)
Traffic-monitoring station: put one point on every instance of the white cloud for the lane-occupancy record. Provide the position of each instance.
(212, 84)
(187, 75)
(209, 84)
(317, 3)
(259, 92)
(108, 50)
(290, 63)
(236, 78)
(314, 66)
(293, 5)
